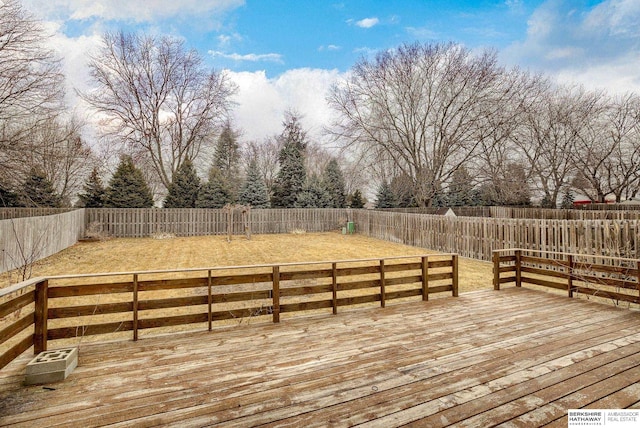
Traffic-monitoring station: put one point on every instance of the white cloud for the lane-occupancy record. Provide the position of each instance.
(128, 10)
(367, 22)
(329, 48)
(597, 47)
(262, 101)
(251, 57)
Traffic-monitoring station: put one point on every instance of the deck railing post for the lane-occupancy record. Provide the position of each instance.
(425, 278)
(276, 294)
(40, 317)
(334, 287)
(454, 271)
(209, 300)
(382, 284)
(496, 270)
(570, 276)
(518, 268)
(135, 307)
(638, 276)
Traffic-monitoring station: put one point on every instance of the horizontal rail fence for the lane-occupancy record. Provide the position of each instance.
(26, 240)
(128, 305)
(144, 222)
(615, 279)
(478, 237)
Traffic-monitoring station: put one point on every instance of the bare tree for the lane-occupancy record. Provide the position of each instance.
(607, 153)
(549, 134)
(420, 107)
(31, 82)
(57, 148)
(158, 98)
(497, 154)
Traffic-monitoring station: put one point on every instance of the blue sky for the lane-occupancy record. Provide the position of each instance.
(285, 54)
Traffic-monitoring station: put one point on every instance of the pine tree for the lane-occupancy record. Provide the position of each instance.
(94, 194)
(461, 191)
(38, 191)
(356, 200)
(127, 188)
(292, 175)
(313, 195)
(254, 191)
(385, 197)
(334, 183)
(567, 199)
(227, 157)
(8, 198)
(215, 193)
(184, 187)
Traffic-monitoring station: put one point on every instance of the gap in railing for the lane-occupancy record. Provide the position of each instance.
(603, 279)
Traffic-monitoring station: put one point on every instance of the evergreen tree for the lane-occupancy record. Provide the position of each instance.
(356, 200)
(385, 197)
(567, 199)
(254, 191)
(184, 187)
(461, 190)
(314, 195)
(127, 188)
(8, 198)
(402, 188)
(292, 175)
(227, 157)
(334, 183)
(215, 193)
(38, 191)
(94, 194)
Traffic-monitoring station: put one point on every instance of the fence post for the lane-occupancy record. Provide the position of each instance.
(425, 278)
(496, 270)
(518, 268)
(135, 307)
(382, 284)
(40, 317)
(454, 269)
(276, 294)
(570, 279)
(334, 287)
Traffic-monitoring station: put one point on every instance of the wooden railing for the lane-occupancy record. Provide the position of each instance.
(122, 305)
(614, 279)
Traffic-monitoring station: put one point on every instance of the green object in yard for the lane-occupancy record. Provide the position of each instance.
(351, 227)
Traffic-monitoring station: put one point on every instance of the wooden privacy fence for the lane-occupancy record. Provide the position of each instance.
(144, 222)
(26, 240)
(478, 237)
(122, 305)
(608, 212)
(6, 213)
(617, 279)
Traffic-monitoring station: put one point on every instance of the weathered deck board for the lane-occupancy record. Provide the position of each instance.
(516, 356)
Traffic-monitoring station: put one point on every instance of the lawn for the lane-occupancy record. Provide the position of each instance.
(120, 255)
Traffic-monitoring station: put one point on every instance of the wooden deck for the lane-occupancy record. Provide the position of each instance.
(516, 357)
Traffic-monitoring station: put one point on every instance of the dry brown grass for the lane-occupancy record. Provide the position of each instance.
(120, 255)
